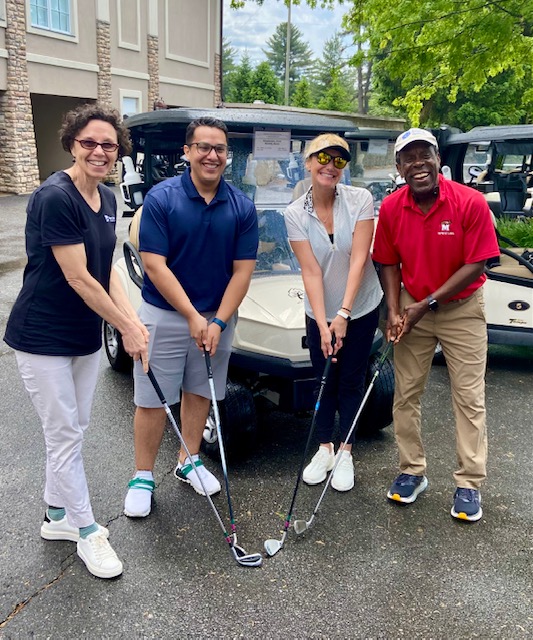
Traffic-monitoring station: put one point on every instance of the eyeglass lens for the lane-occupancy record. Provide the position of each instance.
(325, 158)
(204, 148)
(90, 145)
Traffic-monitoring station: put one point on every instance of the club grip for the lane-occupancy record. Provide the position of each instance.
(156, 386)
(208, 363)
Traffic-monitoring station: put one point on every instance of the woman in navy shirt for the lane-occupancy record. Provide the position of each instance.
(55, 325)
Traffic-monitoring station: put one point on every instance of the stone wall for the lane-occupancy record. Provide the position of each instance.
(19, 172)
(153, 71)
(103, 57)
(218, 80)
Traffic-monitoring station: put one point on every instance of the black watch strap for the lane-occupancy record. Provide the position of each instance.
(432, 303)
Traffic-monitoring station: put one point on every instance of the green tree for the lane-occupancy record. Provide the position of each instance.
(333, 67)
(241, 81)
(336, 97)
(438, 48)
(300, 57)
(264, 85)
(229, 55)
(302, 94)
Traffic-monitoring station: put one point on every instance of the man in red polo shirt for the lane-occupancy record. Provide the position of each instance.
(434, 236)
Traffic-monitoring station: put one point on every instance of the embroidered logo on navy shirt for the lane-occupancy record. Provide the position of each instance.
(109, 218)
(445, 229)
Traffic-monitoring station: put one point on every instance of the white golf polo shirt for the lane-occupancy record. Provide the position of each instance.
(351, 205)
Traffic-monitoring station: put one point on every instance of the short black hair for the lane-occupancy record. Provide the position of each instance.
(204, 122)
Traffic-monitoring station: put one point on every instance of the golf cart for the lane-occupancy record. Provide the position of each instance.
(498, 162)
(270, 360)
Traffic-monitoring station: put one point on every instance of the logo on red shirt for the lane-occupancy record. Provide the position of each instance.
(445, 229)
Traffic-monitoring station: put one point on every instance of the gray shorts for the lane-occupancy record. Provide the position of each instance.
(176, 361)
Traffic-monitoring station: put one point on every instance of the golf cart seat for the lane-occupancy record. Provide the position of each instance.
(512, 188)
(133, 260)
(135, 225)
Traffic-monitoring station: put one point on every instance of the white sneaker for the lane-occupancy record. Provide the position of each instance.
(62, 530)
(138, 502)
(186, 473)
(344, 476)
(322, 462)
(98, 555)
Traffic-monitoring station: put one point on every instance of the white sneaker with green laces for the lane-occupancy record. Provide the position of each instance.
(186, 473)
(138, 502)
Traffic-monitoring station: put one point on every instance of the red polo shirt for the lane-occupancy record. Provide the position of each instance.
(431, 247)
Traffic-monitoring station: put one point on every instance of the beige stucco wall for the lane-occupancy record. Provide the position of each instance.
(118, 48)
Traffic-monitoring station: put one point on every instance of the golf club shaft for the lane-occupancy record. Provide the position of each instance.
(182, 441)
(354, 423)
(220, 439)
(323, 381)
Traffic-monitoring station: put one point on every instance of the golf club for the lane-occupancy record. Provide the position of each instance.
(272, 546)
(240, 556)
(253, 557)
(302, 525)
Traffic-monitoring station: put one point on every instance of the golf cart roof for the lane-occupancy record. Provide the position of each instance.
(503, 133)
(241, 120)
(245, 121)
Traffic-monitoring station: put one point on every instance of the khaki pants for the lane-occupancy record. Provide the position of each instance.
(460, 328)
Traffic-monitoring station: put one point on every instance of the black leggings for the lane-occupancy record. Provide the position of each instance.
(345, 387)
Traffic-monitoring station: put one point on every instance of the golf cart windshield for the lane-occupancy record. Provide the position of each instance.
(266, 156)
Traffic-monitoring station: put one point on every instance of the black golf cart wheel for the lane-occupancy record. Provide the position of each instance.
(114, 348)
(377, 413)
(238, 422)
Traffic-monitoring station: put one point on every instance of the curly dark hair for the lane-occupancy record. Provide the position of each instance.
(77, 119)
(204, 122)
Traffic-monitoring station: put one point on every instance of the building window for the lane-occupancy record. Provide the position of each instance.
(130, 102)
(53, 15)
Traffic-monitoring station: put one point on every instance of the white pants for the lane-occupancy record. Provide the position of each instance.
(61, 389)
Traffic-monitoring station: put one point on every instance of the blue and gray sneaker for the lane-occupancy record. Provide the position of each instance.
(406, 488)
(467, 505)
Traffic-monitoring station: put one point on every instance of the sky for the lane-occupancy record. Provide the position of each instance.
(249, 28)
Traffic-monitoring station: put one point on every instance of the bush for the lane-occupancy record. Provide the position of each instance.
(520, 231)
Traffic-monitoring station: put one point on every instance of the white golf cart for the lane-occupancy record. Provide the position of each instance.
(270, 359)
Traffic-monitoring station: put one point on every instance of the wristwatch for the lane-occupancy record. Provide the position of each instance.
(432, 303)
(343, 314)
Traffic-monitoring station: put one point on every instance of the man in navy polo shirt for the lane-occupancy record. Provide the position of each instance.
(198, 241)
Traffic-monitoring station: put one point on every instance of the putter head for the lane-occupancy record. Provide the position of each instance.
(246, 559)
(300, 526)
(272, 546)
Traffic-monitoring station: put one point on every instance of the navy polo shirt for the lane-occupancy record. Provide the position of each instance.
(199, 241)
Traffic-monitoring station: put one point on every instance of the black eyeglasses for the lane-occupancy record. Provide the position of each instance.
(90, 145)
(324, 158)
(204, 148)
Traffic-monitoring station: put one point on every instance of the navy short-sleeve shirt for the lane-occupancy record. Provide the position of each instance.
(200, 241)
(49, 317)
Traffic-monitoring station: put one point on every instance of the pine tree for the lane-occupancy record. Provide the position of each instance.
(302, 94)
(241, 81)
(229, 54)
(336, 97)
(264, 85)
(300, 59)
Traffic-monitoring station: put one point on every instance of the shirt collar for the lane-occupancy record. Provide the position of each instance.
(411, 202)
(308, 202)
(192, 191)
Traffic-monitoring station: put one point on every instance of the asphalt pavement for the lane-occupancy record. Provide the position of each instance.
(367, 569)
